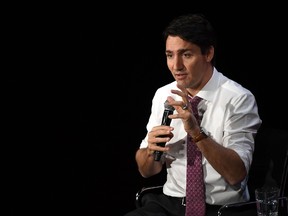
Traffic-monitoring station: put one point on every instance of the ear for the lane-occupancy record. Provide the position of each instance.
(210, 54)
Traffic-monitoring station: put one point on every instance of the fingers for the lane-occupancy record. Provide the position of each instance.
(179, 105)
(158, 136)
(183, 93)
(185, 107)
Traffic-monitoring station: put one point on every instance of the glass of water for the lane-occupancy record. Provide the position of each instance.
(267, 201)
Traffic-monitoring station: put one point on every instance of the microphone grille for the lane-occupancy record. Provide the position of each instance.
(168, 107)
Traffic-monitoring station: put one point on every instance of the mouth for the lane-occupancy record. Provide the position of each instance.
(180, 76)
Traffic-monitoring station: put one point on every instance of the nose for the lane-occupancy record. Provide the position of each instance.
(178, 64)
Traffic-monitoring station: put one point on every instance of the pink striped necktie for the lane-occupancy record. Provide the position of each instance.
(195, 189)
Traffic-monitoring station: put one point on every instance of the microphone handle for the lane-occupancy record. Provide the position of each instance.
(158, 154)
(165, 121)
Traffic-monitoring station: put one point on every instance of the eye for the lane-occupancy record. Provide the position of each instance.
(168, 55)
(187, 55)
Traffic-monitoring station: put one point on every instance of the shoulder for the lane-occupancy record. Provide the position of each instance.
(232, 87)
(222, 88)
(166, 89)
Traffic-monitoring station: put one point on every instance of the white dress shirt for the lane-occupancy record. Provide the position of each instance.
(230, 116)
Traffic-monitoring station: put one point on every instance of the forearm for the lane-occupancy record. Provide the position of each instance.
(224, 160)
(147, 166)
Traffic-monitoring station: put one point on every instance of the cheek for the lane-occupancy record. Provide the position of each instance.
(192, 66)
(169, 65)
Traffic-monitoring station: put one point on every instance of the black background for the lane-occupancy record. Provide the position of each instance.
(77, 87)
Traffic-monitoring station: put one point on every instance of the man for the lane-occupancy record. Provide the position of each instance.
(224, 135)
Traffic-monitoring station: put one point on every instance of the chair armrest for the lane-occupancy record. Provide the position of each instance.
(145, 190)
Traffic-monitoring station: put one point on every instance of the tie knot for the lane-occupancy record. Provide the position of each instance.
(195, 101)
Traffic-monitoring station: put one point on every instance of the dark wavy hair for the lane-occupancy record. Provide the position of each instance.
(194, 28)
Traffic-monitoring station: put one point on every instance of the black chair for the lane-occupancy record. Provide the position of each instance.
(152, 189)
(242, 208)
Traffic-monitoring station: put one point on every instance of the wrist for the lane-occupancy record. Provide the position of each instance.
(200, 136)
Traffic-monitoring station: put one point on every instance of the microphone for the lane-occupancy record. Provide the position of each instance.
(165, 121)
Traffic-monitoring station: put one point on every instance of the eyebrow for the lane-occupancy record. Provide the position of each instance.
(179, 51)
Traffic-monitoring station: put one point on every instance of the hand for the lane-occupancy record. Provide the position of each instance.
(184, 111)
(159, 134)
